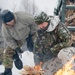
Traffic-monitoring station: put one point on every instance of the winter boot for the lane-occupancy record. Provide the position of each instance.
(7, 72)
(17, 61)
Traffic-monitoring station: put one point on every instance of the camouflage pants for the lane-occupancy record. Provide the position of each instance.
(1, 54)
(66, 54)
(54, 63)
(6, 56)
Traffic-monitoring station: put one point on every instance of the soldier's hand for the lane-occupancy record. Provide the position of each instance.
(18, 50)
(56, 11)
(54, 52)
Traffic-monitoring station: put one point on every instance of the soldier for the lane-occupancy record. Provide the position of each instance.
(17, 28)
(53, 41)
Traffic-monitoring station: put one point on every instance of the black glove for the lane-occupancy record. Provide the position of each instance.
(18, 50)
(56, 11)
(29, 43)
(17, 61)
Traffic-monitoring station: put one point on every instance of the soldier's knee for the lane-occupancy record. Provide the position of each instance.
(9, 52)
(66, 54)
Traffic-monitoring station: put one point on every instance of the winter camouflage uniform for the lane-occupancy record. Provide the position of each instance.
(48, 45)
(52, 42)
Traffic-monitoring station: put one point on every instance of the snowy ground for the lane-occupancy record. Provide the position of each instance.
(27, 58)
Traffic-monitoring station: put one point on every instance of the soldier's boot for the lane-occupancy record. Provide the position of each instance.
(17, 61)
(7, 72)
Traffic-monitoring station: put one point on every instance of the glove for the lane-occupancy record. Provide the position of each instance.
(29, 43)
(54, 52)
(18, 50)
(55, 11)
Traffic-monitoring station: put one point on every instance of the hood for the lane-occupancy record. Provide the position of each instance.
(54, 21)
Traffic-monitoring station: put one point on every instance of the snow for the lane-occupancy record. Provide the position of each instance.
(46, 5)
(27, 58)
(43, 5)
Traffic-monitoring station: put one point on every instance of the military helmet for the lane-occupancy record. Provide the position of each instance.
(42, 17)
(7, 16)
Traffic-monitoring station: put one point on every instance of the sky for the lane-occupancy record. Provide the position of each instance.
(46, 5)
